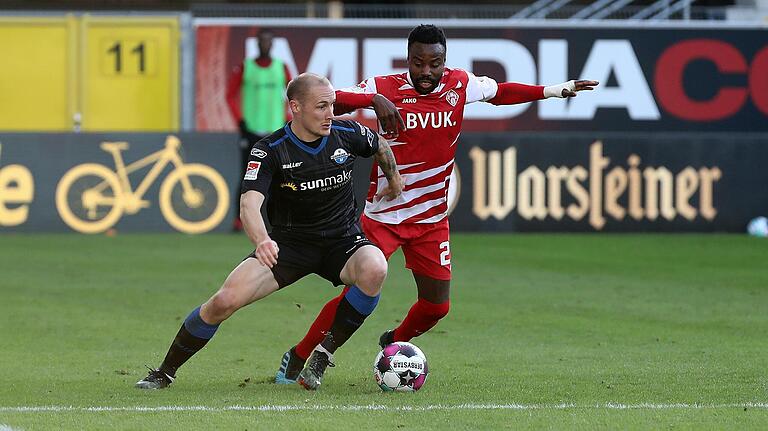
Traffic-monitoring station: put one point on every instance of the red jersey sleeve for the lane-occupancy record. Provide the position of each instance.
(288, 77)
(233, 93)
(510, 93)
(348, 102)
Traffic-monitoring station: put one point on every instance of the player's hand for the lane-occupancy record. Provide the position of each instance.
(266, 252)
(243, 127)
(580, 85)
(245, 132)
(393, 189)
(388, 116)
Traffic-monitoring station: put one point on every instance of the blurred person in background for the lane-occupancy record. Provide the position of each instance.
(255, 95)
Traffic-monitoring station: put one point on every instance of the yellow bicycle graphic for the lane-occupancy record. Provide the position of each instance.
(91, 198)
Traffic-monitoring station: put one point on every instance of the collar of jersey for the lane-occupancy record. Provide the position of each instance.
(302, 145)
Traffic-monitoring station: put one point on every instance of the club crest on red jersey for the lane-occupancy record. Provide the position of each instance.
(452, 97)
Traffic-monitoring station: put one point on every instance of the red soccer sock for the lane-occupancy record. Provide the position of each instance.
(422, 316)
(319, 327)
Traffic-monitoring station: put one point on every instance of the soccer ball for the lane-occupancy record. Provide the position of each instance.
(400, 367)
(758, 227)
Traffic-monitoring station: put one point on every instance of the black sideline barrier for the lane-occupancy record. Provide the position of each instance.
(611, 182)
(582, 181)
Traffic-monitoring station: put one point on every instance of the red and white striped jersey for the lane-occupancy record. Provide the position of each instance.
(425, 150)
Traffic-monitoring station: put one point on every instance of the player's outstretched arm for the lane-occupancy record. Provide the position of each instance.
(386, 160)
(570, 88)
(253, 224)
(512, 93)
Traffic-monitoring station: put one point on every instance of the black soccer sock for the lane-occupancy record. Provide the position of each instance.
(192, 336)
(353, 308)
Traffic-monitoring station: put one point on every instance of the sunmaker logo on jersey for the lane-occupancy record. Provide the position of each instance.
(340, 156)
(327, 183)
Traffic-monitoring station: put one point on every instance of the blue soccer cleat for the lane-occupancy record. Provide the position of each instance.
(290, 367)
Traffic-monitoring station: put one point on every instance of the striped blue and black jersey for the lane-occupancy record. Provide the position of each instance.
(308, 185)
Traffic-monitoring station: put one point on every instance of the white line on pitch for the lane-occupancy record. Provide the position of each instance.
(378, 407)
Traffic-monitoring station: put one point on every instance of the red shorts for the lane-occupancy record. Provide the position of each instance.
(425, 246)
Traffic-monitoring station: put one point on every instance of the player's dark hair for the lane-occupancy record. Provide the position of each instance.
(265, 31)
(427, 34)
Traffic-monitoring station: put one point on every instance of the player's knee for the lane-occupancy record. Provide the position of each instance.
(372, 278)
(223, 304)
(438, 311)
(445, 308)
(376, 272)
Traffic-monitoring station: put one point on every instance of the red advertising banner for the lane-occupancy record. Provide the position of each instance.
(661, 79)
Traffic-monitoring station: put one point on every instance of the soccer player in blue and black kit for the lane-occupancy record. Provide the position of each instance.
(304, 172)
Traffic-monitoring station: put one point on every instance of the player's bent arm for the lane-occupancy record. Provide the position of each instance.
(233, 93)
(386, 161)
(347, 101)
(253, 224)
(386, 112)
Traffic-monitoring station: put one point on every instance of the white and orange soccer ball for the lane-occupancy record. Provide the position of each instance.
(400, 366)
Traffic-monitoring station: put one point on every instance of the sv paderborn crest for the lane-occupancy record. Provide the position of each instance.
(339, 156)
(452, 97)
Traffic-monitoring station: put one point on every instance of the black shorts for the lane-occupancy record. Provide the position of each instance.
(302, 254)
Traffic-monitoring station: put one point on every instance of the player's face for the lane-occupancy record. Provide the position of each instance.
(265, 44)
(426, 63)
(317, 110)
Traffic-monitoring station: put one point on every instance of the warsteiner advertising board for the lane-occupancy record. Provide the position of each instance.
(608, 182)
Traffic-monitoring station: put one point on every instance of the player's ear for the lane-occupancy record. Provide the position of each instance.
(294, 105)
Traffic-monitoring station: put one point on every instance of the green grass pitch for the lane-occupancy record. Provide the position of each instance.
(545, 331)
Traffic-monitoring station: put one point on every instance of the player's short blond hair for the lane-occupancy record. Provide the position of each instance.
(300, 85)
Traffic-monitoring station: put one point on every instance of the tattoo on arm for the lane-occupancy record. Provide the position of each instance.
(386, 159)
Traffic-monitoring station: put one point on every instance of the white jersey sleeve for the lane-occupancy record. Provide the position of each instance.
(480, 88)
(366, 87)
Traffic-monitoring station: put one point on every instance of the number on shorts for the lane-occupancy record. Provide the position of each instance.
(445, 256)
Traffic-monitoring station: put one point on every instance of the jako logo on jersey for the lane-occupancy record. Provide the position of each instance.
(409, 100)
(452, 97)
(258, 153)
(424, 119)
(252, 171)
(292, 165)
(327, 181)
(340, 156)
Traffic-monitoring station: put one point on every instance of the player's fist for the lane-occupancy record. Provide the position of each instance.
(393, 189)
(388, 116)
(266, 252)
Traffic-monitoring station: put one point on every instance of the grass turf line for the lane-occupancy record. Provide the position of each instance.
(535, 320)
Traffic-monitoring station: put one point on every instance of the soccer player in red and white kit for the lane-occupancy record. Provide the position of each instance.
(431, 99)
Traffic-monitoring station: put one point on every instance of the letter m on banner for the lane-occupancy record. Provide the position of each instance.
(493, 182)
